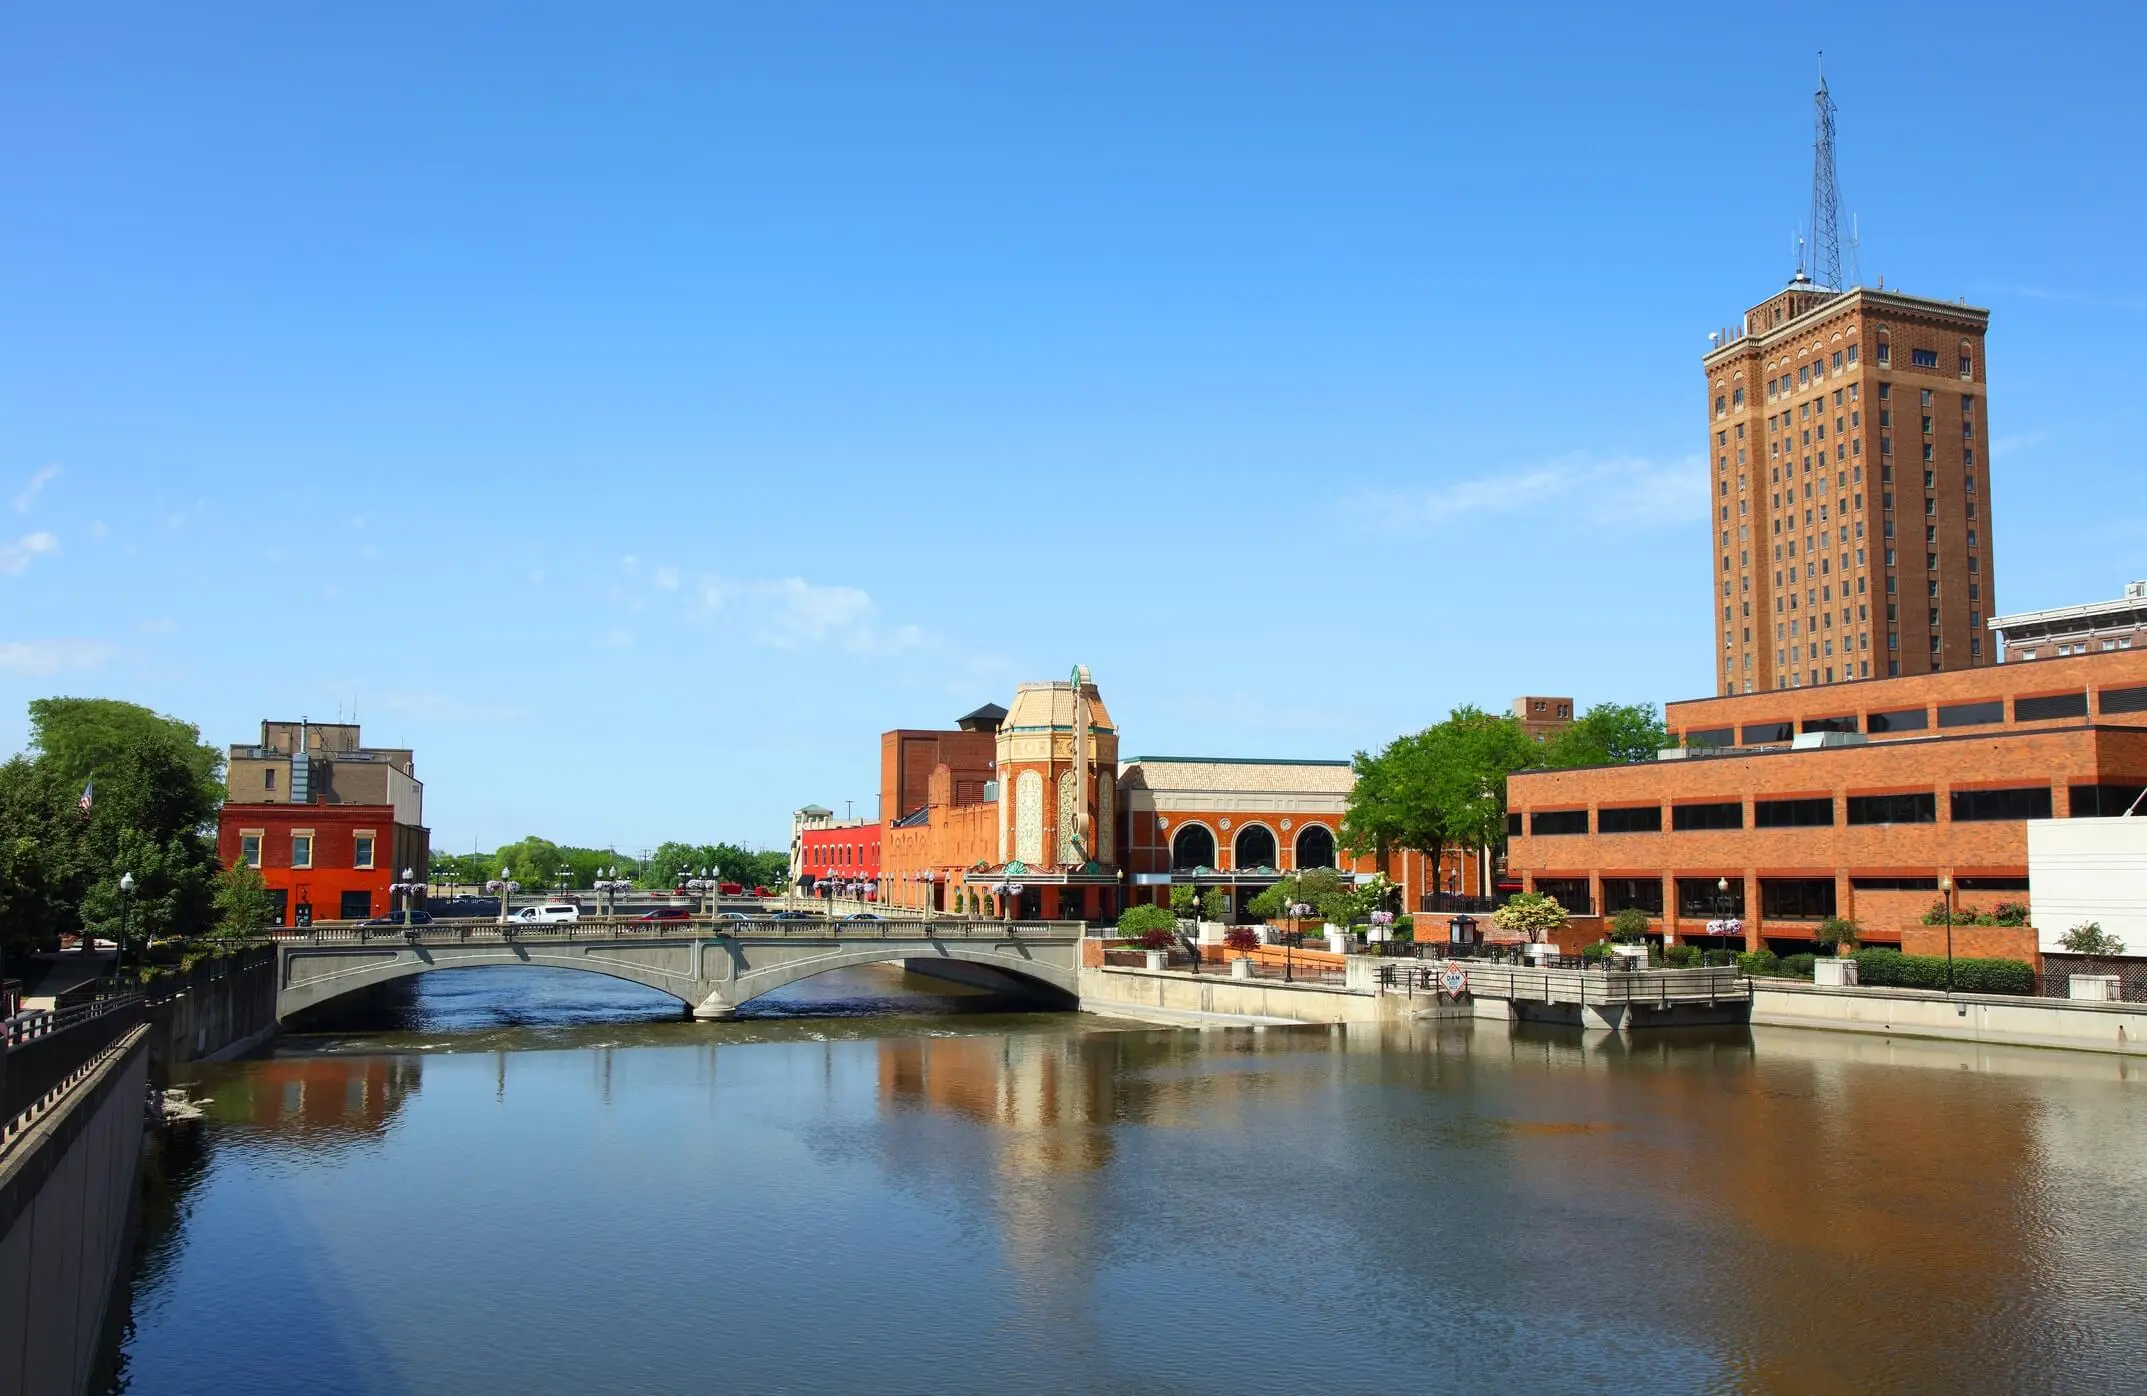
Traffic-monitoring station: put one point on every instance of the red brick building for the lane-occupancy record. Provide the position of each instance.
(1852, 800)
(331, 824)
(845, 855)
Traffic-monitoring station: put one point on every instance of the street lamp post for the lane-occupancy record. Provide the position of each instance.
(506, 886)
(126, 902)
(1945, 885)
(408, 888)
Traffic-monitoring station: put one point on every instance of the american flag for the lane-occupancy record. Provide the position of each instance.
(87, 789)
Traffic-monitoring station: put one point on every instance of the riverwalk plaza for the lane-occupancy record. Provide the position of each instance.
(1776, 810)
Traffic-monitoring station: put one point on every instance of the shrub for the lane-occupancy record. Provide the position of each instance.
(1243, 939)
(1798, 966)
(1184, 901)
(2088, 938)
(1760, 964)
(1681, 956)
(1630, 926)
(1892, 969)
(1214, 906)
(1837, 931)
(1137, 921)
(1405, 928)
(1598, 951)
(2009, 914)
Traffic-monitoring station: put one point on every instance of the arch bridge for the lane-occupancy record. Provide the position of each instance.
(711, 967)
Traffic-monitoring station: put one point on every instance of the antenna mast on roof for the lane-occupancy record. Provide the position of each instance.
(1826, 191)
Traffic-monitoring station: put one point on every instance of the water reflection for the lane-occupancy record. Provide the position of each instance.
(949, 1201)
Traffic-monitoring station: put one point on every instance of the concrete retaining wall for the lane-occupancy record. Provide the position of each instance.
(1988, 1018)
(1178, 997)
(67, 1194)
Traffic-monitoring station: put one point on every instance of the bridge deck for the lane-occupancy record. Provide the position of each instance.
(633, 928)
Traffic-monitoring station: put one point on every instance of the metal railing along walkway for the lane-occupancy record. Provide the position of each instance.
(45, 1052)
(1655, 987)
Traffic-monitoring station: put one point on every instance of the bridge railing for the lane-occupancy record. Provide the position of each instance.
(44, 1053)
(476, 932)
(1595, 987)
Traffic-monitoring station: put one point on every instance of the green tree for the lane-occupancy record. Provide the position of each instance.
(81, 738)
(1531, 913)
(1214, 906)
(1395, 801)
(1609, 734)
(173, 892)
(1629, 927)
(1185, 900)
(533, 862)
(243, 906)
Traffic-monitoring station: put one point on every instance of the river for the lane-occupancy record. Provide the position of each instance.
(521, 1181)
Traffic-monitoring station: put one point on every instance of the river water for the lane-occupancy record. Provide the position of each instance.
(520, 1181)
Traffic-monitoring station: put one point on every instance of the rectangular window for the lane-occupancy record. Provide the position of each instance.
(1761, 733)
(1923, 358)
(2123, 700)
(1992, 884)
(302, 850)
(2105, 801)
(1971, 714)
(268, 778)
(1569, 892)
(1830, 724)
(250, 848)
(1894, 884)
(2024, 802)
(2055, 705)
(1723, 814)
(1632, 894)
(1645, 819)
(1561, 821)
(1724, 736)
(1900, 720)
(1918, 808)
(1513, 825)
(356, 906)
(1796, 898)
(362, 850)
(1792, 814)
(1707, 897)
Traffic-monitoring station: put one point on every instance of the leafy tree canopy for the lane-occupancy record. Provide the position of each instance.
(80, 738)
(1609, 734)
(1445, 784)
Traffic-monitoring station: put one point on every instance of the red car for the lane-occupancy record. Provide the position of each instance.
(667, 913)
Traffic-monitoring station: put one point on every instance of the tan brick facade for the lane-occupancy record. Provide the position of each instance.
(1849, 490)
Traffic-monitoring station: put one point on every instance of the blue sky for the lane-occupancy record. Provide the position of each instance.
(636, 409)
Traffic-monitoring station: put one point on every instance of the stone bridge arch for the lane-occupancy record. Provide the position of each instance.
(712, 975)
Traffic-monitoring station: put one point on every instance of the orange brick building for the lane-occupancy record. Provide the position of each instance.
(330, 823)
(1850, 800)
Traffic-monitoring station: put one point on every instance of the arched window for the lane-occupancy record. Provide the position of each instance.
(1315, 846)
(1255, 847)
(1193, 847)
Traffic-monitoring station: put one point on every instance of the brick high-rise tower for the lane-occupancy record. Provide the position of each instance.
(1848, 448)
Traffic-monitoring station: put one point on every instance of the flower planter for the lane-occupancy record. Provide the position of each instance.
(1241, 968)
(1157, 959)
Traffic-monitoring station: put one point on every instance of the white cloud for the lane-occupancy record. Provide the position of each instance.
(359, 521)
(28, 495)
(793, 613)
(618, 639)
(667, 578)
(1629, 492)
(51, 656)
(100, 530)
(15, 557)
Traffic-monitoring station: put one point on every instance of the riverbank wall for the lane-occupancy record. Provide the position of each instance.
(1179, 998)
(68, 1194)
(223, 1007)
(1983, 1018)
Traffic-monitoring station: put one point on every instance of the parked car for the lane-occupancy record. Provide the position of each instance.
(864, 916)
(549, 914)
(794, 916)
(734, 916)
(417, 918)
(667, 913)
(730, 889)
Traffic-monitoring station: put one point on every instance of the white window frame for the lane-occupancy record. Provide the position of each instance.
(372, 848)
(257, 835)
(296, 835)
